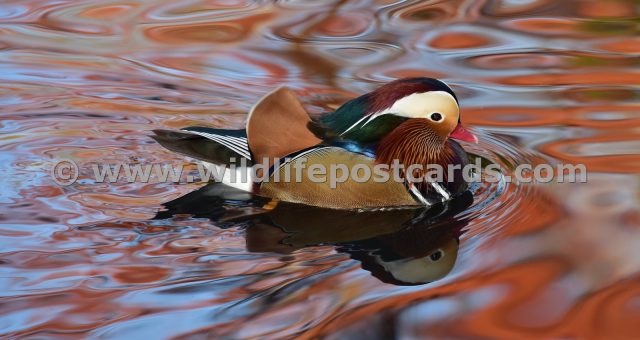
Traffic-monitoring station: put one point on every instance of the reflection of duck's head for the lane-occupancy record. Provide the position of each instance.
(412, 270)
(423, 269)
(416, 255)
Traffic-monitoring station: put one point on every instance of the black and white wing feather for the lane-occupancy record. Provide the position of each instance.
(235, 140)
(217, 146)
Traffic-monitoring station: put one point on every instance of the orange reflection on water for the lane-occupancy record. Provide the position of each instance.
(538, 81)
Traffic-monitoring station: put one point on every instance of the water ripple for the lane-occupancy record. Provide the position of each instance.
(539, 81)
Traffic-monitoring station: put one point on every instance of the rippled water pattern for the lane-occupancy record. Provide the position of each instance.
(539, 81)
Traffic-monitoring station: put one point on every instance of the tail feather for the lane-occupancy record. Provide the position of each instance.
(236, 140)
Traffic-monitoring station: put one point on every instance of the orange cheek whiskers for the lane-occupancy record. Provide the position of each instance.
(414, 142)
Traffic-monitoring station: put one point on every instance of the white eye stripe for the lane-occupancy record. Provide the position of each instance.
(417, 105)
(422, 105)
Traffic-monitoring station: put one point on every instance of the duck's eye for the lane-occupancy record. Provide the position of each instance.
(436, 256)
(436, 117)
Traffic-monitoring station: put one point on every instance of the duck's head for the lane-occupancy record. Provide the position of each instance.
(410, 121)
(406, 104)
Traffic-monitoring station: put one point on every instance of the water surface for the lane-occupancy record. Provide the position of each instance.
(538, 81)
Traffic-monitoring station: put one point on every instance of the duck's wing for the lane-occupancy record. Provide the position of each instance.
(278, 126)
(217, 146)
(343, 193)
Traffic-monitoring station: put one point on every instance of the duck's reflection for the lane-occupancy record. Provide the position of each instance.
(399, 246)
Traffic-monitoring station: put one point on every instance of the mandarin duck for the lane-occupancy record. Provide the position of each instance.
(407, 121)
